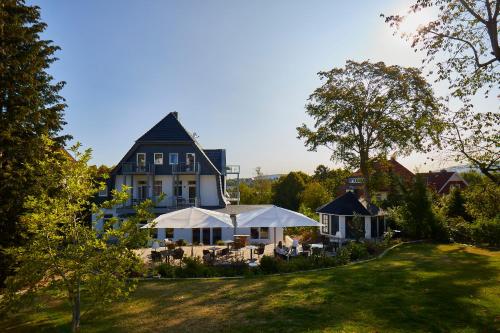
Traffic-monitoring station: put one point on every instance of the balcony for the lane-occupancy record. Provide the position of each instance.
(183, 168)
(171, 202)
(138, 169)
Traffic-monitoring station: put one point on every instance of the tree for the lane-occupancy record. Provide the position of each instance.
(365, 110)
(287, 190)
(415, 215)
(454, 205)
(330, 179)
(63, 253)
(262, 187)
(30, 106)
(467, 31)
(314, 195)
(475, 138)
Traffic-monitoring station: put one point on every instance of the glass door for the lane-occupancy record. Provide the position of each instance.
(206, 236)
(196, 235)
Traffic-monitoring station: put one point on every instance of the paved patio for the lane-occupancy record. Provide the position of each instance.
(197, 251)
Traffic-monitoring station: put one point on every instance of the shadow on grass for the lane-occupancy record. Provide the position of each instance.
(420, 287)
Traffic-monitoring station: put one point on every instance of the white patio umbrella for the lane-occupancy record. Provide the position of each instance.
(192, 217)
(274, 217)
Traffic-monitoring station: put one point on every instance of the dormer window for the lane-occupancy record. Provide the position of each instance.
(173, 158)
(158, 158)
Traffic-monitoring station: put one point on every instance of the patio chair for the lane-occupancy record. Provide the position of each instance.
(223, 253)
(171, 246)
(306, 248)
(178, 254)
(260, 250)
(155, 256)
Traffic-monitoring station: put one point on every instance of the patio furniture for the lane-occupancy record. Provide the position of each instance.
(306, 248)
(260, 250)
(155, 256)
(171, 246)
(178, 254)
(316, 251)
(251, 248)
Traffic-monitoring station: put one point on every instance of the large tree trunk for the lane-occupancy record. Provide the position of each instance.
(75, 321)
(365, 171)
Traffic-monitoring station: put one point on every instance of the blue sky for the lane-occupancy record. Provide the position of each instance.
(238, 72)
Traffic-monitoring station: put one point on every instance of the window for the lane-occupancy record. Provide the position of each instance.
(173, 158)
(142, 190)
(264, 233)
(334, 224)
(325, 221)
(169, 233)
(190, 159)
(157, 189)
(178, 188)
(259, 233)
(141, 159)
(103, 192)
(158, 158)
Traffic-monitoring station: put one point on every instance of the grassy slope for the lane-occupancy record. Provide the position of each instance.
(417, 288)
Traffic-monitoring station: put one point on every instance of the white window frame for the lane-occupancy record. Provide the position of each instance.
(259, 231)
(155, 154)
(187, 158)
(137, 159)
(170, 155)
(157, 183)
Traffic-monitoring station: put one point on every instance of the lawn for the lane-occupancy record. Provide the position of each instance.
(414, 288)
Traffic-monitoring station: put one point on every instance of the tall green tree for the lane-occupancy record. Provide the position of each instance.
(65, 255)
(287, 190)
(30, 106)
(365, 110)
(330, 179)
(314, 195)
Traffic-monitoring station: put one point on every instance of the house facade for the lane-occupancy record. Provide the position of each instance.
(355, 181)
(442, 182)
(168, 166)
(337, 218)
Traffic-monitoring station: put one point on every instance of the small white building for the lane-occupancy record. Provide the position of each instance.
(337, 216)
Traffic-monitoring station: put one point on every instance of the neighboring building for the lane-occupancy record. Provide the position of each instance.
(168, 161)
(336, 217)
(355, 182)
(443, 181)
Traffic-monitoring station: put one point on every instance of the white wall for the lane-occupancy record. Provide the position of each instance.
(368, 227)
(342, 227)
(208, 190)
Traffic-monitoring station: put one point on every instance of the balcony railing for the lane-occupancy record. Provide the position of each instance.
(232, 169)
(134, 168)
(167, 202)
(183, 168)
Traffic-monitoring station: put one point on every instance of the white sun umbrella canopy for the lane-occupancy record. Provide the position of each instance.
(274, 217)
(192, 217)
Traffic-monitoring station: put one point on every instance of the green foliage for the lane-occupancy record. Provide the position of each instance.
(357, 250)
(357, 227)
(487, 231)
(314, 196)
(330, 179)
(466, 33)
(30, 106)
(269, 264)
(482, 199)
(454, 205)
(365, 110)
(416, 216)
(257, 192)
(63, 251)
(287, 190)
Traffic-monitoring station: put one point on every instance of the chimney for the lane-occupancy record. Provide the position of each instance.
(175, 114)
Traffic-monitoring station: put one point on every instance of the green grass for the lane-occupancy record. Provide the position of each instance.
(415, 288)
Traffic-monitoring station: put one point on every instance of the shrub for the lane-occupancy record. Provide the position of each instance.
(166, 270)
(181, 242)
(269, 264)
(220, 242)
(357, 250)
(487, 231)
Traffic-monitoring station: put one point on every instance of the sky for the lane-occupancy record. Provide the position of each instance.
(238, 72)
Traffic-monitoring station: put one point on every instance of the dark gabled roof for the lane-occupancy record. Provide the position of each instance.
(217, 157)
(167, 129)
(436, 180)
(346, 204)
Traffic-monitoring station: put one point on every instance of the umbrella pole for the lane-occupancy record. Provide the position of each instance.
(274, 250)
